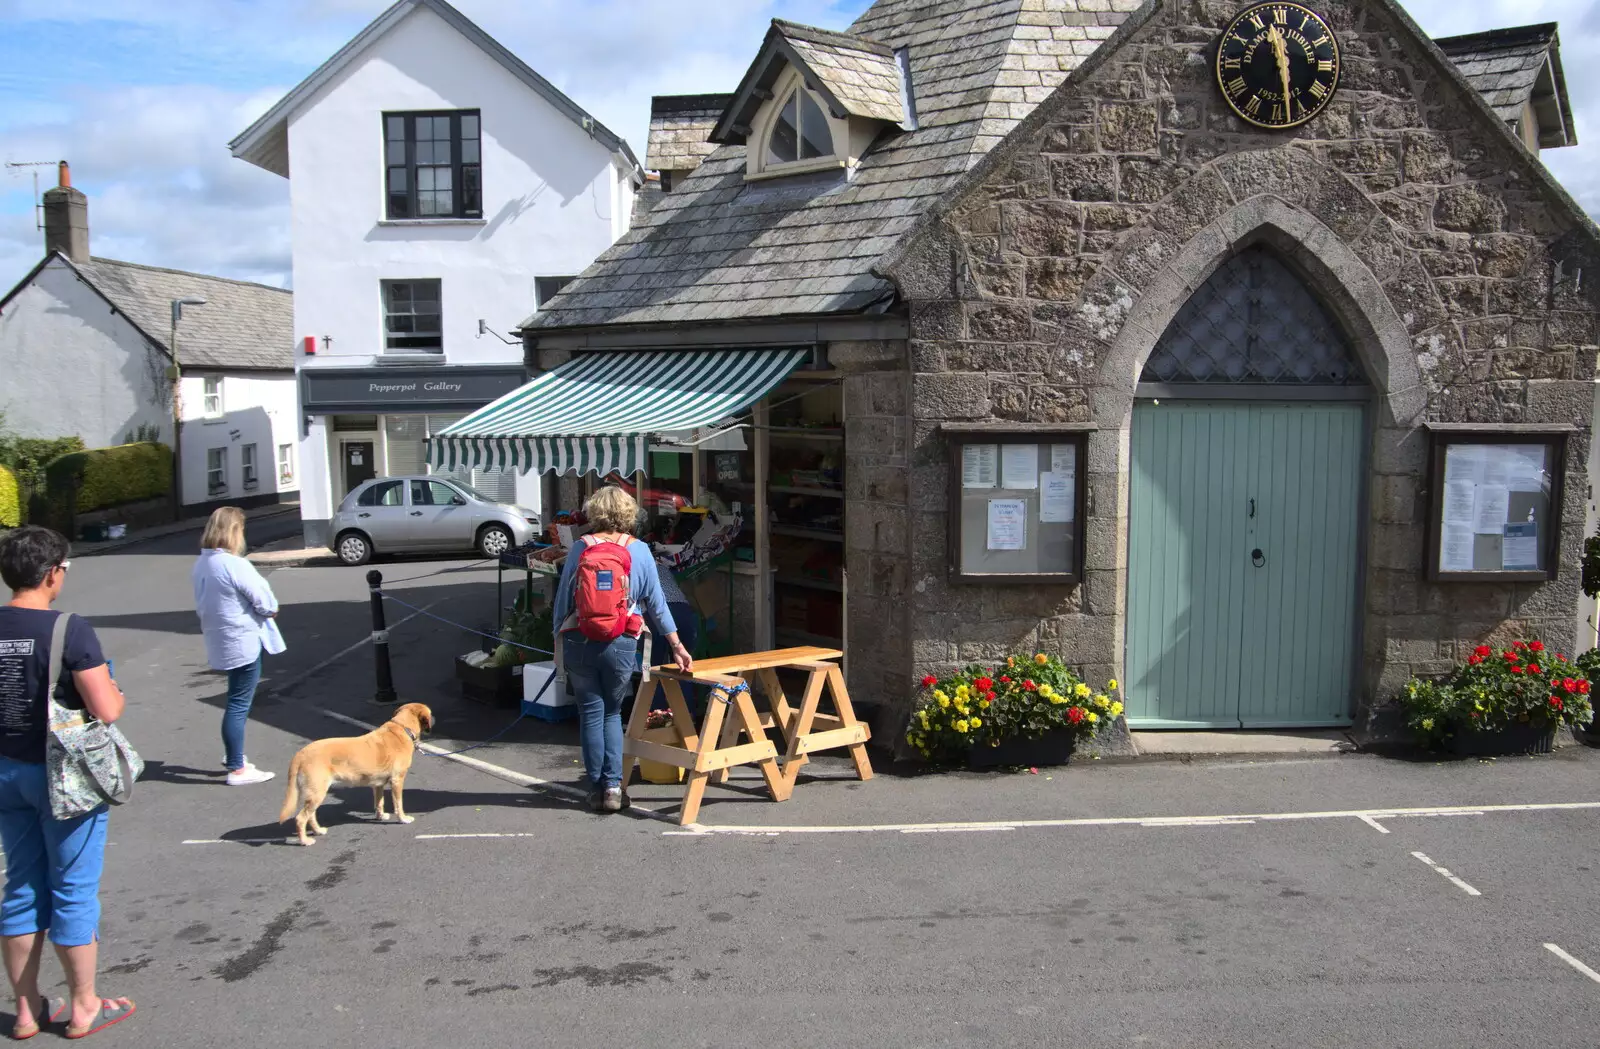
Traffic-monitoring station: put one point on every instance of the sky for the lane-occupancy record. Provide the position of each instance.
(142, 97)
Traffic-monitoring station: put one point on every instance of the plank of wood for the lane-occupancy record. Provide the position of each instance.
(664, 753)
(833, 737)
(780, 657)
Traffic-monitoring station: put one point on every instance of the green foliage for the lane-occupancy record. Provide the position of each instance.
(144, 433)
(526, 626)
(26, 458)
(10, 504)
(1026, 696)
(1591, 565)
(1494, 690)
(107, 477)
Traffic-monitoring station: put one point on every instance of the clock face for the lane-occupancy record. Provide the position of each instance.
(1278, 65)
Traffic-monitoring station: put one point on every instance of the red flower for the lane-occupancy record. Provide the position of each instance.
(1512, 656)
(1004, 680)
(1518, 670)
(1074, 714)
(1533, 669)
(1473, 661)
(1555, 701)
(1569, 684)
(1583, 687)
(1518, 645)
(989, 696)
(1029, 686)
(1481, 651)
(983, 684)
(1537, 646)
(929, 681)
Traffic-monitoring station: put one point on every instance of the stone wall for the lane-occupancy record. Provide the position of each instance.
(1425, 226)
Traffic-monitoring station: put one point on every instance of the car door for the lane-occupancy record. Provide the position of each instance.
(440, 517)
(380, 511)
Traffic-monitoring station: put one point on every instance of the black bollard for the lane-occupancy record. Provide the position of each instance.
(380, 641)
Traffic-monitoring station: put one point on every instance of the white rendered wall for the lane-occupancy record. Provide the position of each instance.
(258, 409)
(73, 367)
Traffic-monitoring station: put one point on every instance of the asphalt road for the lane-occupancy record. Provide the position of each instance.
(789, 924)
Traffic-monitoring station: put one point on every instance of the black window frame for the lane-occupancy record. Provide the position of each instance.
(463, 171)
(1444, 436)
(371, 497)
(386, 289)
(547, 288)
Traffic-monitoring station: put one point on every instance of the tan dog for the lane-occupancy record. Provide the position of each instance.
(379, 759)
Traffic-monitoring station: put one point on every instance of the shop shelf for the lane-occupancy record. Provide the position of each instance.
(826, 493)
(810, 584)
(796, 532)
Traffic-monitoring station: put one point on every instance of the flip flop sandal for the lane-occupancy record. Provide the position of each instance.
(110, 1013)
(50, 1010)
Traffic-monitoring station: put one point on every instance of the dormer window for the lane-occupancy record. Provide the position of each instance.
(801, 131)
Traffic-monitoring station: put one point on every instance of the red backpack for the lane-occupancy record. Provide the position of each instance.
(601, 600)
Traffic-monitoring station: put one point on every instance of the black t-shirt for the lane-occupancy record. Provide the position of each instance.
(25, 673)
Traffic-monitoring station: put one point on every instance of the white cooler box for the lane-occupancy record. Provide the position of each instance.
(554, 704)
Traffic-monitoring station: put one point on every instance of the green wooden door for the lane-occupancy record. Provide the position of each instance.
(1243, 564)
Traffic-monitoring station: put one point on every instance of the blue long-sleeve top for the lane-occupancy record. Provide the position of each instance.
(235, 606)
(644, 588)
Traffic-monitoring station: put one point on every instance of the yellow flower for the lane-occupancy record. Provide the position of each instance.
(1427, 724)
(961, 726)
(962, 692)
(1101, 701)
(944, 700)
(1112, 684)
(976, 723)
(1046, 691)
(1041, 659)
(1116, 709)
(1092, 717)
(961, 707)
(1080, 690)
(984, 703)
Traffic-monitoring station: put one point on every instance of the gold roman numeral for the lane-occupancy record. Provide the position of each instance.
(1323, 39)
(1253, 107)
(1325, 66)
(1233, 63)
(1256, 21)
(1280, 15)
(1237, 86)
(1319, 90)
(1277, 114)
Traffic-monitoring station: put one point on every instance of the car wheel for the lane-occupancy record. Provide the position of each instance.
(354, 548)
(494, 540)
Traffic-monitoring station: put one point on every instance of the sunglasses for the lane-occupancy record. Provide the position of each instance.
(64, 565)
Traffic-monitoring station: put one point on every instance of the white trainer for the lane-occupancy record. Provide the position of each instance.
(248, 775)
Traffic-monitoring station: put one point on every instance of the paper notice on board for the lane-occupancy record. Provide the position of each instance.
(1519, 550)
(1019, 466)
(1055, 498)
(1008, 524)
(1497, 460)
(1455, 549)
(1460, 504)
(1494, 506)
(1527, 469)
(980, 467)
(1063, 458)
(1464, 464)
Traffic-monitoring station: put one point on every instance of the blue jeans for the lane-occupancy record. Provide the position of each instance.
(600, 674)
(52, 866)
(242, 682)
(688, 622)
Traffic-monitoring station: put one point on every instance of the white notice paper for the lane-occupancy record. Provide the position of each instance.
(1455, 553)
(1520, 547)
(1063, 458)
(980, 465)
(1019, 466)
(1460, 504)
(1497, 460)
(1494, 505)
(1527, 469)
(1464, 463)
(1008, 524)
(1055, 497)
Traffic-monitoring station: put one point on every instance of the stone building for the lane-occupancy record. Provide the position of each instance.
(1260, 421)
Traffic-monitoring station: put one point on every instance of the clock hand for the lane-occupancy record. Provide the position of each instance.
(1280, 51)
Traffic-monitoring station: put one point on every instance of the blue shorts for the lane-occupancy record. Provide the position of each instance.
(52, 866)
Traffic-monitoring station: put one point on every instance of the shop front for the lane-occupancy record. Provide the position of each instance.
(361, 423)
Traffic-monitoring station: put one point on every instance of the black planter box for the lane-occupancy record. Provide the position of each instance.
(494, 686)
(1055, 747)
(1535, 737)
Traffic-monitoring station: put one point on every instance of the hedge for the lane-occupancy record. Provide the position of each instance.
(107, 477)
(10, 505)
(26, 458)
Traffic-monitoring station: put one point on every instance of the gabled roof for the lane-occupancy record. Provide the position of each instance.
(1512, 67)
(680, 130)
(242, 326)
(719, 248)
(854, 75)
(266, 142)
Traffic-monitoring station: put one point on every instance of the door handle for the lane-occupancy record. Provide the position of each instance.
(1258, 558)
(416, 513)
(363, 515)
(1252, 509)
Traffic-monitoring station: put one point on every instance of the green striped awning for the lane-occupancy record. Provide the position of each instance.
(597, 412)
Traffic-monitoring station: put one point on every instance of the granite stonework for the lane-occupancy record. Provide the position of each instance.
(1038, 291)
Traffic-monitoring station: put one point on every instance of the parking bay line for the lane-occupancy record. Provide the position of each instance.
(1451, 878)
(1570, 960)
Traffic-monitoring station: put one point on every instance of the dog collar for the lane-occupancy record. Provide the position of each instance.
(412, 736)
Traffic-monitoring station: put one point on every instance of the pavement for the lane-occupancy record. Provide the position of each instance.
(273, 512)
(1281, 900)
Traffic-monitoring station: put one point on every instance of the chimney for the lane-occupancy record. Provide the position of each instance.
(66, 219)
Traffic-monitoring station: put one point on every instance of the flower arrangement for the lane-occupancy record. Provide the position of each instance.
(1026, 697)
(1491, 691)
(657, 718)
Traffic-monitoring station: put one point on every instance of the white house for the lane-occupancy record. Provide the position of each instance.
(87, 349)
(438, 184)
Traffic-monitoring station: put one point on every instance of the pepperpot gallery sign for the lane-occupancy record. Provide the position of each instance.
(328, 390)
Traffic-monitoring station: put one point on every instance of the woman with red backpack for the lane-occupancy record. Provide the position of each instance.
(609, 587)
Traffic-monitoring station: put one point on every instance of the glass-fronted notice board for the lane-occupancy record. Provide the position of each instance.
(1018, 506)
(1496, 506)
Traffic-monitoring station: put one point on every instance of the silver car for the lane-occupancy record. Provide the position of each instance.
(392, 515)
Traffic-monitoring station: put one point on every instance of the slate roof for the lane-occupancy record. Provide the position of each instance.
(1512, 67)
(861, 74)
(680, 130)
(719, 248)
(242, 325)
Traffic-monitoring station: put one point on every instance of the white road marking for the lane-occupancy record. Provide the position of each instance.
(498, 771)
(1570, 960)
(278, 688)
(236, 841)
(951, 830)
(1373, 823)
(438, 837)
(1142, 821)
(1457, 882)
